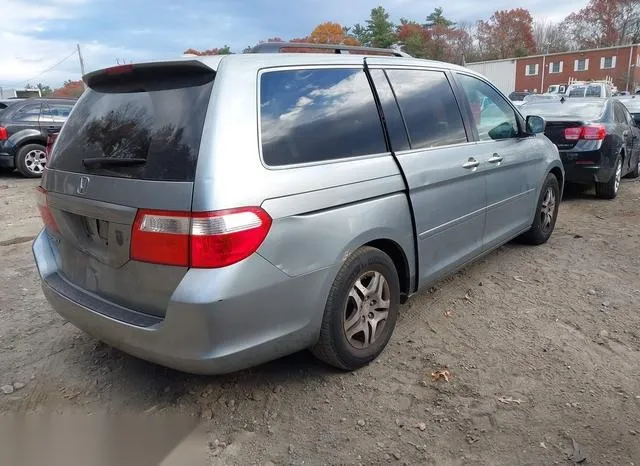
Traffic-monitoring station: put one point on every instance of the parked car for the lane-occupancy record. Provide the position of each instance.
(23, 132)
(214, 213)
(557, 89)
(542, 98)
(597, 139)
(518, 97)
(4, 103)
(589, 90)
(633, 105)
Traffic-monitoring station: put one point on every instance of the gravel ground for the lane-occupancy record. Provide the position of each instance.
(542, 344)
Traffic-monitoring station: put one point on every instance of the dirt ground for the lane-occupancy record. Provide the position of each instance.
(543, 345)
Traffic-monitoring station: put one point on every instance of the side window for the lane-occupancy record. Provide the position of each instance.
(619, 115)
(493, 117)
(315, 115)
(60, 110)
(393, 118)
(429, 108)
(30, 112)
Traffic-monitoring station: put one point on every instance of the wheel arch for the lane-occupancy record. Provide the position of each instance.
(399, 258)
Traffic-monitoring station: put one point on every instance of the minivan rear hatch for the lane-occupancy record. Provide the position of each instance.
(130, 143)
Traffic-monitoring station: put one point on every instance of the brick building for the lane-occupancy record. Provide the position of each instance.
(536, 73)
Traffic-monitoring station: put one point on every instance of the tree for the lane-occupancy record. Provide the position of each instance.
(604, 23)
(413, 37)
(550, 37)
(379, 30)
(44, 90)
(226, 50)
(437, 19)
(331, 33)
(507, 34)
(69, 89)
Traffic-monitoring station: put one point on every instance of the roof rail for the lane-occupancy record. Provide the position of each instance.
(277, 47)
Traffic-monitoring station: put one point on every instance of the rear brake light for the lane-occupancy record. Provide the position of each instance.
(120, 69)
(43, 208)
(594, 132)
(3, 134)
(199, 239)
(51, 139)
(590, 132)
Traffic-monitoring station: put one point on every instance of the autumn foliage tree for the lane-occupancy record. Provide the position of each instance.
(70, 89)
(226, 50)
(604, 23)
(331, 33)
(508, 33)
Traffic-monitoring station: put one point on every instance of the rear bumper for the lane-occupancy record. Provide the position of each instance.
(268, 315)
(7, 160)
(585, 174)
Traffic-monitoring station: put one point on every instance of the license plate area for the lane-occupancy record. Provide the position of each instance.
(96, 230)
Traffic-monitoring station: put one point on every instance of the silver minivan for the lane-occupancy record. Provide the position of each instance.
(214, 213)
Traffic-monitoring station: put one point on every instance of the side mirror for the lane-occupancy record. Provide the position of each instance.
(535, 124)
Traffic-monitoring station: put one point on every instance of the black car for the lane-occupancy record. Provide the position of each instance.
(518, 96)
(24, 127)
(598, 140)
(4, 103)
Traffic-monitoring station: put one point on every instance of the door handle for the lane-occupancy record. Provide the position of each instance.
(495, 158)
(471, 163)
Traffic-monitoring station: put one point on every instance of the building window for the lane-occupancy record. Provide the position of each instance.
(555, 67)
(581, 65)
(531, 70)
(607, 63)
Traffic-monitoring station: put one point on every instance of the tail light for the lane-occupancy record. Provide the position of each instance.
(3, 134)
(589, 132)
(51, 139)
(43, 208)
(198, 239)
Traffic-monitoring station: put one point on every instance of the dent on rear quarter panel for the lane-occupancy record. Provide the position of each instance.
(304, 243)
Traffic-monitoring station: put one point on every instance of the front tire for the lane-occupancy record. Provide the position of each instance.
(31, 160)
(361, 310)
(546, 212)
(609, 190)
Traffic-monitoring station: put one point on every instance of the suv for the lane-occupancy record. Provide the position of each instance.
(214, 213)
(24, 126)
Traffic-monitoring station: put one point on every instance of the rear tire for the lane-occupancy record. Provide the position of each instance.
(361, 310)
(635, 171)
(31, 160)
(609, 190)
(546, 213)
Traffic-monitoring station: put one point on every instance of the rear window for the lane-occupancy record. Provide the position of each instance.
(577, 92)
(316, 115)
(152, 116)
(594, 91)
(589, 110)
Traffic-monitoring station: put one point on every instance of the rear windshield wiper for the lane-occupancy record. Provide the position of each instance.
(96, 162)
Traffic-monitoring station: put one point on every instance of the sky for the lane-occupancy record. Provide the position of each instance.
(36, 35)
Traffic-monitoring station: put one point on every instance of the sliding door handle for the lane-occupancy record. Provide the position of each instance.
(495, 158)
(471, 163)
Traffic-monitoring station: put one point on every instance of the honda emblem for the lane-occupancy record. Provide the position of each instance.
(82, 186)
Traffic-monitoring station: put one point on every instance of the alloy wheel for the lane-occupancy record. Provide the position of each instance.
(366, 310)
(35, 161)
(547, 209)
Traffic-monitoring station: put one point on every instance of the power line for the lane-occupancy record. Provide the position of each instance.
(43, 72)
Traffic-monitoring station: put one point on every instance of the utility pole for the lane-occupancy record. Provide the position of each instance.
(81, 62)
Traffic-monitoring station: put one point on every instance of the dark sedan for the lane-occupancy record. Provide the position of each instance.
(598, 140)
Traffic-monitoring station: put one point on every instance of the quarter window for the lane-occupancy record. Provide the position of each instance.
(429, 108)
(492, 115)
(316, 115)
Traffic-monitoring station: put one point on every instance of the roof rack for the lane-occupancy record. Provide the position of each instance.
(277, 47)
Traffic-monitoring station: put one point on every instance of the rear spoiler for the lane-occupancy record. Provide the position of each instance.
(124, 76)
